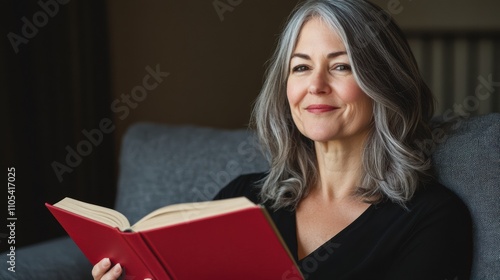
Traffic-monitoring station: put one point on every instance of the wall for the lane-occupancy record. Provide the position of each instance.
(457, 46)
(216, 64)
(458, 15)
(215, 61)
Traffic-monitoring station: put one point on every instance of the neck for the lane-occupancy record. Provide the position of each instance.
(340, 167)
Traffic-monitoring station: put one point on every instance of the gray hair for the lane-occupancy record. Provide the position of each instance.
(385, 69)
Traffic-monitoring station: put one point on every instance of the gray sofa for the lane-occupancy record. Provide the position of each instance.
(161, 165)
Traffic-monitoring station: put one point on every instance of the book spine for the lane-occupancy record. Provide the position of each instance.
(157, 256)
(145, 253)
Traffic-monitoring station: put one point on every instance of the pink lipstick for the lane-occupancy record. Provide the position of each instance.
(320, 108)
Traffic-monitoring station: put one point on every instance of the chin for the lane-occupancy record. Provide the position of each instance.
(321, 136)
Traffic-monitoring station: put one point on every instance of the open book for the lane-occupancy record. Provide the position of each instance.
(221, 239)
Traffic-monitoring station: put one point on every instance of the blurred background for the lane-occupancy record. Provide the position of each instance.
(75, 74)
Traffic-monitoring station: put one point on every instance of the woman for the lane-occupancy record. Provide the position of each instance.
(340, 114)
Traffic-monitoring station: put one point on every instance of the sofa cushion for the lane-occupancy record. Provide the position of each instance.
(162, 164)
(468, 162)
(58, 258)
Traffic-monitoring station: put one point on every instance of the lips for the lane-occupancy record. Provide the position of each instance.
(320, 108)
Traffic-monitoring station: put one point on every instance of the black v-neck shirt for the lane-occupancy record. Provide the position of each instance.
(430, 240)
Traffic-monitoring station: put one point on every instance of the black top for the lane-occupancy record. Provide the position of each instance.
(431, 240)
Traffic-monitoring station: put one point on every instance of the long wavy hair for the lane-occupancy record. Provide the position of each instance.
(385, 69)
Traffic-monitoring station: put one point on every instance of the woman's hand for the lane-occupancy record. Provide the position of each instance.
(102, 271)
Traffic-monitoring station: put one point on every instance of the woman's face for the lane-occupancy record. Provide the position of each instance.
(325, 100)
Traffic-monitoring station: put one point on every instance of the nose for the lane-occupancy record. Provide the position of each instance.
(318, 83)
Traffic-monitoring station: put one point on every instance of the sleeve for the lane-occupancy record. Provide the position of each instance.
(243, 185)
(440, 246)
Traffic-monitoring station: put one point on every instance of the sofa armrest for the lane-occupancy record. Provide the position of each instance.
(468, 163)
(58, 258)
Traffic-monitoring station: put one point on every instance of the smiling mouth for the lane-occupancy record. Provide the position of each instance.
(320, 108)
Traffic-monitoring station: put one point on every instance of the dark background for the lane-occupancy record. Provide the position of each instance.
(82, 58)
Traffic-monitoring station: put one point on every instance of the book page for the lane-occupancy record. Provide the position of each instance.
(94, 212)
(184, 212)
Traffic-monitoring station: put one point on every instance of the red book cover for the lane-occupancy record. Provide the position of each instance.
(238, 245)
(97, 241)
(241, 244)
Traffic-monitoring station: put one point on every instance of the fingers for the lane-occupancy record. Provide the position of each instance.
(113, 273)
(100, 268)
(102, 271)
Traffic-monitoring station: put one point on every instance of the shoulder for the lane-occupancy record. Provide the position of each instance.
(433, 237)
(432, 201)
(436, 198)
(244, 185)
(435, 216)
(435, 206)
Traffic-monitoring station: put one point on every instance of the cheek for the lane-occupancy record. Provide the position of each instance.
(294, 97)
(292, 94)
(360, 104)
(351, 93)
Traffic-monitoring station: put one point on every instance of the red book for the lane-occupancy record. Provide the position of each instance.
(223, 239)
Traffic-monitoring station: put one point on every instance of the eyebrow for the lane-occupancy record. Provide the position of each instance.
(330, 55)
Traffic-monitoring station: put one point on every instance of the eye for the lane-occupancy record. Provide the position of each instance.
(300, 68)
(342, 67)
